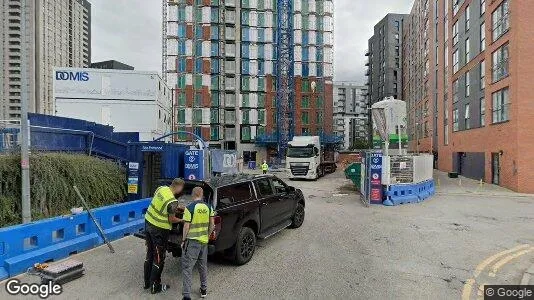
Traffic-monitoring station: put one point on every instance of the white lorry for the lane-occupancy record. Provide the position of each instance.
(305, 158)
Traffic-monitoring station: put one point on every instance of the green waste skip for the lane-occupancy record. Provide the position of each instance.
(353, 172)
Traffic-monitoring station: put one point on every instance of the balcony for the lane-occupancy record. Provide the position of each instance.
(367, 52)
(368, 72)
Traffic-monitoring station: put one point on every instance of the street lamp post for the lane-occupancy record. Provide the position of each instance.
(24, 102)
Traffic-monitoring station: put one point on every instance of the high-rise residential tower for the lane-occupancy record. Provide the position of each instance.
(220, 59)
(59, 35)
(351, 113)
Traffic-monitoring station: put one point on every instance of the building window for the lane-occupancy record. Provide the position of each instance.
(397, 25)
(482, 7)
(482, 74)
(455, 120)
(455, 61)
(245, 133)
(214, 116)
(214, 133)
(198, 100)
(467, 18)
(467, 84)
(305, 131)
(181, 99)
(482, 111)
(501, 20)
(305, 101)
(467, 117)
(482, 37)
(305, 118)
(455, 88)
(500, 63)
(455, 33)
(181, 116)
(197, 116)
(500, 106)
(467, 51)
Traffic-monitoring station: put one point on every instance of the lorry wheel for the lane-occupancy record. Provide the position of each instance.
(245, 246)
(298, 216)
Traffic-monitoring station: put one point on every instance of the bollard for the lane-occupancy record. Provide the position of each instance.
(439, 181)
(460, 181)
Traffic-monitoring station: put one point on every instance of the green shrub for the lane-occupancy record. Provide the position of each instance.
(52, 175)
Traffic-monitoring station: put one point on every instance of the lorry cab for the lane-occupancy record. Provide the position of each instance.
(303, 158)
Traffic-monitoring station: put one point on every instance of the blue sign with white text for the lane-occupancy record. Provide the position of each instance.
(194, 165)
(375, 178)
(72, 76)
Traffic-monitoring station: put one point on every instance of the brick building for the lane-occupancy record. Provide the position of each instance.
(220, 60)
(475, 109)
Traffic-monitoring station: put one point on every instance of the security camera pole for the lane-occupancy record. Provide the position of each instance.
(24, 128)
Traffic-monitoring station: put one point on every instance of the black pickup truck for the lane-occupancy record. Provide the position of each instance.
(248, 207)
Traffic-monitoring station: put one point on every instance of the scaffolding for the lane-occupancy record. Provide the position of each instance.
(285, 79)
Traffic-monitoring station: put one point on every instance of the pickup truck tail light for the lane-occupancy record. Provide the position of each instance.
(215, 233)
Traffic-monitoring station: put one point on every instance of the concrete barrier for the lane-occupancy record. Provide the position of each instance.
(21, 246)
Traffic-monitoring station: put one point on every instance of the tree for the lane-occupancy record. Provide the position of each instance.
(359, 144)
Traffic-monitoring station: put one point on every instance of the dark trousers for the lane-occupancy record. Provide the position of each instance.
(156, 248)
(264, 171)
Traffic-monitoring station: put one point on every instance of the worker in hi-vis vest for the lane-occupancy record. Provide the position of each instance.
(264, 167)
(160, 215)
(198, 225)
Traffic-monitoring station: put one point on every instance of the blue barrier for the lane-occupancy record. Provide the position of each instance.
(409, 193)
(22, 246)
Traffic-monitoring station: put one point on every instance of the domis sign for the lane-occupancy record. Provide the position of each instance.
(72, 76)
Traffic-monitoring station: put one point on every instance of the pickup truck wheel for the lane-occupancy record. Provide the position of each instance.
(298, 216)
(245, 246)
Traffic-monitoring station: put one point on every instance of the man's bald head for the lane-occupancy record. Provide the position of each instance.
(197, 193)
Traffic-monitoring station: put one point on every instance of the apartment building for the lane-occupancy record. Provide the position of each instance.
(479, 86)
(350, 113)
(60, 34)
(384, 59)
(220, 60)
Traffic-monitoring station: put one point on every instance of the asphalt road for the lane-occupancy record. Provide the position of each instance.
(344, 250)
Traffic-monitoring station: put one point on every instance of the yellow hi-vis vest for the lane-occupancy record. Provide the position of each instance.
(157, 214)
(198, 215)
(265, 167)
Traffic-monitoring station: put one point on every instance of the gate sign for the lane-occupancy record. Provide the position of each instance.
(194, 165)
(376, 178)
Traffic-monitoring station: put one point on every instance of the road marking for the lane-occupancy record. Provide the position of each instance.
(468, 286)
(480, 291)
(506, 260)
(492, 258)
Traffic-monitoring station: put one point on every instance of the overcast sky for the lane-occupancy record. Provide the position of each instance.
(130, 31)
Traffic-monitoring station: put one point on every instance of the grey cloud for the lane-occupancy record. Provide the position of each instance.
(130, 31)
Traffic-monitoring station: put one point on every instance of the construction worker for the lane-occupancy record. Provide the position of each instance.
(198, 226)
(264, 167)
(159, 217)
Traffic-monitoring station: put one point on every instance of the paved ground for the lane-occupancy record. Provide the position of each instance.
(429, 250)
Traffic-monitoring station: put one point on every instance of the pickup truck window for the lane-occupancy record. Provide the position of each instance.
(234, 193)
(264, 187)
(279, 186)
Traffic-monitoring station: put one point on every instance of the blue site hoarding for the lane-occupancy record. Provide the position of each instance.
(194, 165)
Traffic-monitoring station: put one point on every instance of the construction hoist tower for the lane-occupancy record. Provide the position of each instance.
(285, 79)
